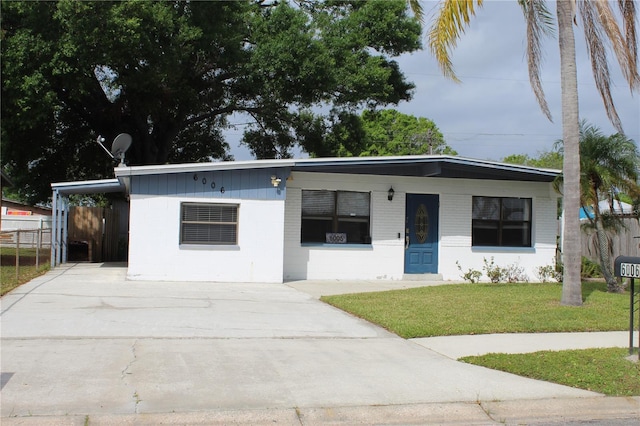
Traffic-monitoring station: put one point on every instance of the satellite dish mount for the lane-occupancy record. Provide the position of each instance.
(121, 144)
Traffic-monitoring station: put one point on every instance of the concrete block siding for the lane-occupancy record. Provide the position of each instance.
(269, 228)
(155, 252)
(384, 258)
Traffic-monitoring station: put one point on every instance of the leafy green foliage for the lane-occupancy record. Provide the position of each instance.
(598, 370)
(389, 132)
(609, 166)
(590, 269)
(459, 309)
(547, 160)
(471, 275)
(172, 73)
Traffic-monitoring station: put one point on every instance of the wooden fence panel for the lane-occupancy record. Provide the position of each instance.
(85, 227)
(111, 235)
(96, 227)
(624, 243)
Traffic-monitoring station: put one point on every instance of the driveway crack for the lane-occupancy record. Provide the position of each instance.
(126, 371)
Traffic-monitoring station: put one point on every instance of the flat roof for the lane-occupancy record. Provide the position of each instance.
(101, 186)
(412, 165)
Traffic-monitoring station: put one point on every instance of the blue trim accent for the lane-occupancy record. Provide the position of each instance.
(209, 247)
(338, 246)
(226, 184)
(496, 249)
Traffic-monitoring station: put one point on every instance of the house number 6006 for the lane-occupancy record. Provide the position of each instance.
(630, 270)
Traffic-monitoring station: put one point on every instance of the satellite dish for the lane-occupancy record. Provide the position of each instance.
(121, 144)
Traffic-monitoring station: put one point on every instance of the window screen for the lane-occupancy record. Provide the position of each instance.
(209, 224)
(503, 222)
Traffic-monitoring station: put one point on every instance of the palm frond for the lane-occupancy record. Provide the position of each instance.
(416, 8)
(539, 23)
(600, 26)
(594, 35)
(628, 11)
(449, 24)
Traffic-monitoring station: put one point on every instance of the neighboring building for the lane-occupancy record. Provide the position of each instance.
(14, 208)
(383, 218)
(22, 216)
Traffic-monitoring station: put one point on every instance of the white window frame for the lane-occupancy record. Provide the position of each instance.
(335, 215)
(210, 224)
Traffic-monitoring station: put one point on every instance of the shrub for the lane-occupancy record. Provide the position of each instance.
(548, 273)
(495, 273)
(472, 275)
(515, 274)
(590, 269)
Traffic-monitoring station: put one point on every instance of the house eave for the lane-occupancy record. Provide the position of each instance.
(100, 186)
(417, 166)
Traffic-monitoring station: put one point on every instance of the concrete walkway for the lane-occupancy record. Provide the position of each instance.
(83, 345)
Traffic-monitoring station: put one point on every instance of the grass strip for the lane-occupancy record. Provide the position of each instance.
(601, 370)
(27, 271)
(462, 309)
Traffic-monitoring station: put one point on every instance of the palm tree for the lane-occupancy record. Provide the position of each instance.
(609, 166)
(600, 24)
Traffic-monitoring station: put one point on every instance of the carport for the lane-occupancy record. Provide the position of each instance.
(60, 210)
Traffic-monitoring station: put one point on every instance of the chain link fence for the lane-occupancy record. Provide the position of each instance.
(25, 249)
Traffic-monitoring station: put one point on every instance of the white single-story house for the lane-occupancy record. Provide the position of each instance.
(383, 218)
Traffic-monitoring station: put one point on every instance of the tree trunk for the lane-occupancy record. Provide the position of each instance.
(603, 249)
(571, 247)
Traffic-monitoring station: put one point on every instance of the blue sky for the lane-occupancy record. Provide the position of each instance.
(493, 112)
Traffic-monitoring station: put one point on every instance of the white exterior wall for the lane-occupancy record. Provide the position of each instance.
(384, 258)
(155, 252)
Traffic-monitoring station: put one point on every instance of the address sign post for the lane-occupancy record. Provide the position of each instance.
(629, 267)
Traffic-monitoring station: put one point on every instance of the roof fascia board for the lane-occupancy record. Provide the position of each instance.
(427, 162)
(199, 167)
(89, 186)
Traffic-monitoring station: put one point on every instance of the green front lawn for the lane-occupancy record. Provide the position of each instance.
(459, 309)
(512, 308)
(599, 370)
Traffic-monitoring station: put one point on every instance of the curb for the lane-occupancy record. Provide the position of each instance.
(455, 413)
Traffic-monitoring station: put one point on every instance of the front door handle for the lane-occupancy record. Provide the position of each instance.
(406, 242)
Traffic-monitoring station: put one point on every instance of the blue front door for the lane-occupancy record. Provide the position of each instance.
(421, 234)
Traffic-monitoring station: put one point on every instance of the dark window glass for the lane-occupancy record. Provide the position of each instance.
(503, 222)
(326, 213)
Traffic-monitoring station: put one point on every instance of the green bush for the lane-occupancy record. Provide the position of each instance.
(590, 269)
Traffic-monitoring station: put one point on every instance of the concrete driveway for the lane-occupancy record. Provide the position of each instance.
(81, 340)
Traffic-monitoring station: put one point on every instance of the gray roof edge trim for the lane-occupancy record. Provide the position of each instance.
(198, 167)
(126, 171)
(89, 186)
(507, 166)
(424, 159)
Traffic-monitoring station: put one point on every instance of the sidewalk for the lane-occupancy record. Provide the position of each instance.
(456, 347)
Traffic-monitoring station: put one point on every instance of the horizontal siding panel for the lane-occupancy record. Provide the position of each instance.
(253, 184)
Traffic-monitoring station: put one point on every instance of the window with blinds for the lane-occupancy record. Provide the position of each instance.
(214, 224)
(335, 217)
(502, 222)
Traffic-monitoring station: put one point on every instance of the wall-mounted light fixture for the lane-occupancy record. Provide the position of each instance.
(390, 194)
(275, 181)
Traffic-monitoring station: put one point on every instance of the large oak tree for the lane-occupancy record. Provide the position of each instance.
(172, 73)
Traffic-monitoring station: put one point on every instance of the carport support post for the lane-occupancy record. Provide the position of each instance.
(65, 228)
(59, 229)
(54, 229)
